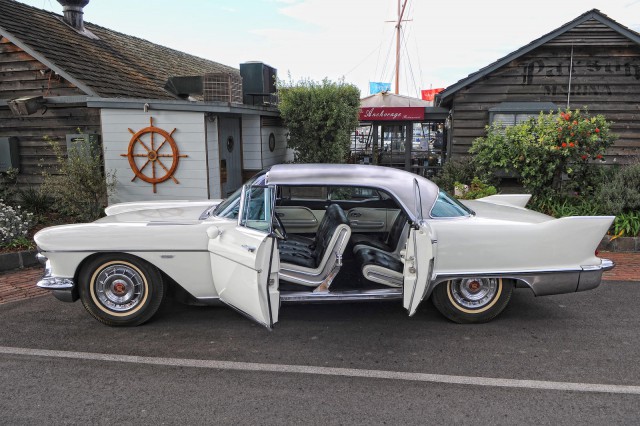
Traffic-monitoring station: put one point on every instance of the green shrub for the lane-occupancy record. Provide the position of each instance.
(456, 170)
(8, 185)
(551, 153)
(627, 225)
(620, 193)
(79, 187)
(477, 189)
(320, 117)
(34, 200)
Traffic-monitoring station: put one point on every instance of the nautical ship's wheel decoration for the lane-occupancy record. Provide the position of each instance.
(154, 158)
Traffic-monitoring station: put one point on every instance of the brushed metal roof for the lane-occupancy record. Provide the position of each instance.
(398, 183)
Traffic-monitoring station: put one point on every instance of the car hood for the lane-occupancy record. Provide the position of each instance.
(485, 209)
(185, 213)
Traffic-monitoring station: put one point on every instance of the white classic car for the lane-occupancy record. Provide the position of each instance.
(321, 233)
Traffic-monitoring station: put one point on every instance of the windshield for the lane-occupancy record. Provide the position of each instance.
(447, 206)
(230, 207)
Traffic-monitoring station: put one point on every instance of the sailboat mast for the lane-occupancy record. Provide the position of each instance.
(398, 28)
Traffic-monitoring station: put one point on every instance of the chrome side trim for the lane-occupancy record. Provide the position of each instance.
(340, 296)
(543, 283)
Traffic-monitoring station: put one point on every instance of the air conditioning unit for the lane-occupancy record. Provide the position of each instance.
(258, 83)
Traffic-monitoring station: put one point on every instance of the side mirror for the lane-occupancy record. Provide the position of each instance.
(213, 232)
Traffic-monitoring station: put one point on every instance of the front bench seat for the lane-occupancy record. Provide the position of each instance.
(317, 265)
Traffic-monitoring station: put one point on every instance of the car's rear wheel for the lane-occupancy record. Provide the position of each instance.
(472, 300)
(121, 290)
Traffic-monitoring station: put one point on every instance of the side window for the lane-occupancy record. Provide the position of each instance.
(351, 193)
(304, 193)
(257, 208)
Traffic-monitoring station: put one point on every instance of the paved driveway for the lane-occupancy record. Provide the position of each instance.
(559, 359)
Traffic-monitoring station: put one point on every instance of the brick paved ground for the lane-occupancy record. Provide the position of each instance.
(21, 284)
(627, 266)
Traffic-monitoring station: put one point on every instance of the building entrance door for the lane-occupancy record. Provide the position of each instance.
(230, 154)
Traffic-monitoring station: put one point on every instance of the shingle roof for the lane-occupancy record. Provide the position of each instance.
(114, 65)
(594, 14)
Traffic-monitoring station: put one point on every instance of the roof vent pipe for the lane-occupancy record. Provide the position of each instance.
(72, 10)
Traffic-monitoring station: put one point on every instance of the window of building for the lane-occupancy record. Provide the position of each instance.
(512, 113)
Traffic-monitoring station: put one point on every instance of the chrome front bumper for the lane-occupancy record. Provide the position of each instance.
(63, 288)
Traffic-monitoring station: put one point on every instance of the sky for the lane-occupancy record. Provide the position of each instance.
(443, 41)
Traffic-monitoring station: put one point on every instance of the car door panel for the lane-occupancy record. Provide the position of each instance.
(299, 219)
(245, 259)
(418, 267)
(371, 220)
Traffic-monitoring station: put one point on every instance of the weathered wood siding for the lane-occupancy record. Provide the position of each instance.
(605, 78)
(22, 75)
(189, 136)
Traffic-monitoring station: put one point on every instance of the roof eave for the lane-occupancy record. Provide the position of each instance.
(44, 60)
(441, 97)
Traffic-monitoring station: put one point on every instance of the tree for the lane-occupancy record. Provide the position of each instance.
(320, 117)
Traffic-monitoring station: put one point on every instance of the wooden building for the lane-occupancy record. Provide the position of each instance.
(60, 76)
(591, 61)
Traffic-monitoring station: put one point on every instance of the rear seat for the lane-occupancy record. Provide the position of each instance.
(316, 262)
(394, 242)
(380, 261)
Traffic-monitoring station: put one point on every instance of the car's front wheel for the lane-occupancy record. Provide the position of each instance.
(472, 300)
(121, 290)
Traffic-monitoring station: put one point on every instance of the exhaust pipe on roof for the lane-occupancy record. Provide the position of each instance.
(73, 11)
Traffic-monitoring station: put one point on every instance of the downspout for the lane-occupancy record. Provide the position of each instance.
(570, 75)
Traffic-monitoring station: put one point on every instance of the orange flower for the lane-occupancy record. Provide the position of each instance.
(571, 144)
(597, 130)
(564, 144)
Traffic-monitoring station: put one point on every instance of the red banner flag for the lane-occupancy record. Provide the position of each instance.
(429, 94)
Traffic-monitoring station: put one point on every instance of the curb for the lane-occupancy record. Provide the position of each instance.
(18, 260)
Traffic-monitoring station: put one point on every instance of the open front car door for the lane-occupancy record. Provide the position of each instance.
(245, 260)
(418, 259)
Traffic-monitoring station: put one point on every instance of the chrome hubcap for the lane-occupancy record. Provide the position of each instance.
(119, 288)
(474, 293)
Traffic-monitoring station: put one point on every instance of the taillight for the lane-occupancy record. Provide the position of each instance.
(597, 252)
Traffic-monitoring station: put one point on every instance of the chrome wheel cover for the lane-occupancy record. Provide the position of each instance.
(119, 287)
(474, 293)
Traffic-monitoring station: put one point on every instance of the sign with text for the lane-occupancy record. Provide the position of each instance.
(392, 114)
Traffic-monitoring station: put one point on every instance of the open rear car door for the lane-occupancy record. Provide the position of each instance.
(418, 259)
(245, 260)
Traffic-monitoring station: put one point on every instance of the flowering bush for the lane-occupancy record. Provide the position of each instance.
(545, 149)
(14, 223)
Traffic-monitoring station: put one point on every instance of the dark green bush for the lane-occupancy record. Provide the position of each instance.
(620, 193)
(456, 170)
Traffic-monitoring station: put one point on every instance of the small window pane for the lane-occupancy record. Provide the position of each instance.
(505, 119)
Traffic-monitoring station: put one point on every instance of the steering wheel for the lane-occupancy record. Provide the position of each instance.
(279, 227)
